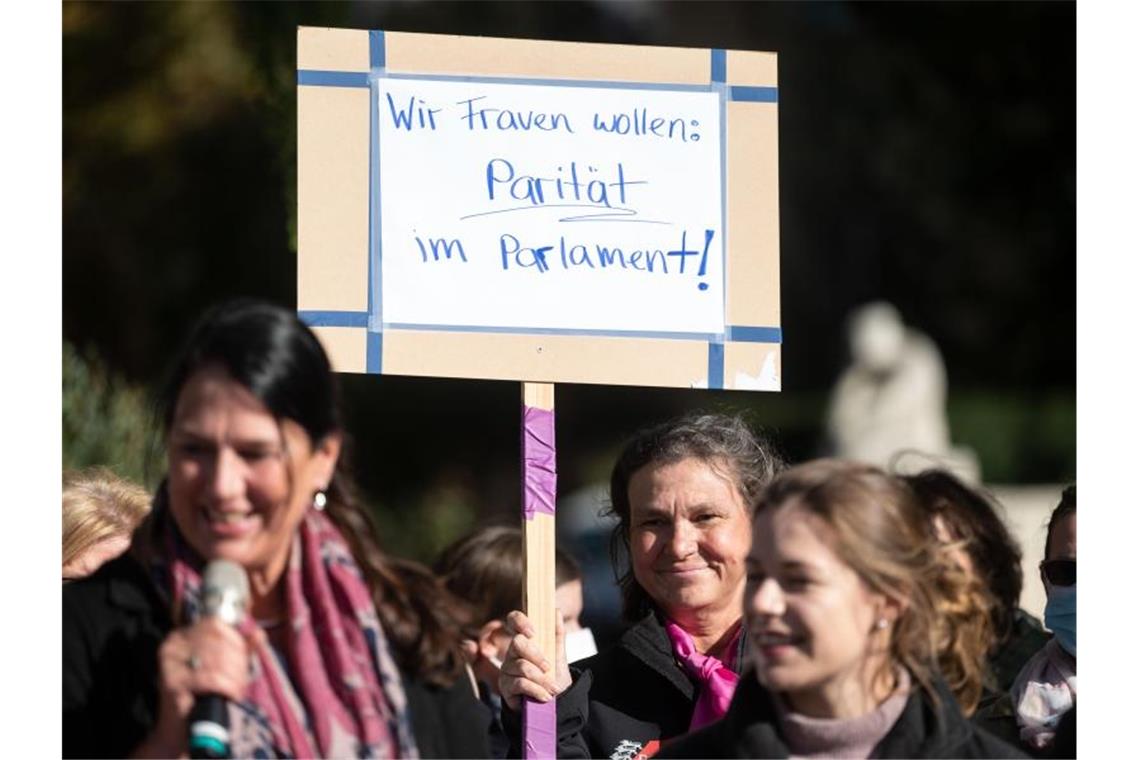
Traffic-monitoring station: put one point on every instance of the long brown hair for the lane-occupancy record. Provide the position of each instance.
(880, 531)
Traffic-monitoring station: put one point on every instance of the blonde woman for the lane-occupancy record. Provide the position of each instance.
(100, 512)
(866, 639)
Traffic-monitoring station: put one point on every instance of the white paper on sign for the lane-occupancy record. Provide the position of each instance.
(518, 206)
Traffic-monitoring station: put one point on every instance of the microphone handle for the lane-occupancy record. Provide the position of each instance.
(210, 727)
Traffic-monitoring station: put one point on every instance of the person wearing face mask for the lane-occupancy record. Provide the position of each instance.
(484, 569)
(1046, 688)
(681, 492)
(866, 638)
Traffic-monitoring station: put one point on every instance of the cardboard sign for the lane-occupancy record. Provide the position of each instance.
(539, 211)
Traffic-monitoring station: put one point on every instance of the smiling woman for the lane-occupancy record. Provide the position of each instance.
(342, 650)
(854, 613)
(681, 492)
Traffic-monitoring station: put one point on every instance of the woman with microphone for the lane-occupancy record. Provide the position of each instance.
(338, 656)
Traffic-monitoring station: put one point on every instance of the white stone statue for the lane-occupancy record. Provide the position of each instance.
(889, 406)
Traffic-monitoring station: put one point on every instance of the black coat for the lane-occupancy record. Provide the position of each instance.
(751, 728)
(113, 623)
(622, 699)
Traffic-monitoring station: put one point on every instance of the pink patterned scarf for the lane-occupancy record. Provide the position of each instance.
(335, 690)
(717, 677)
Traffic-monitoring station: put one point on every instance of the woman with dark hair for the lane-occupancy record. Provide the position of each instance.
(681, 493)
(865, 634)
(969, 523)
(1046, 688)
(342, 651)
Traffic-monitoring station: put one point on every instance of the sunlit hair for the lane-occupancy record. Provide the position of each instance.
(880, 531)
(485, 570)
(98, 505)
(726, 444)
(974, 520)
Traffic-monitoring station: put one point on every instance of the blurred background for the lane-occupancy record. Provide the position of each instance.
(927, 158)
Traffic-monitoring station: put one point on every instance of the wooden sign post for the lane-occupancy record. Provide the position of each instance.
(540, 212)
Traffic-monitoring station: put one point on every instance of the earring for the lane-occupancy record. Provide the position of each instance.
(320, 500)
(881, 623)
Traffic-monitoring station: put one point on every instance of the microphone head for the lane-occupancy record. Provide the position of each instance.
(225, 591)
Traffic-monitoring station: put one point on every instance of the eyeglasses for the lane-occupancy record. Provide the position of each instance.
(1060, 572)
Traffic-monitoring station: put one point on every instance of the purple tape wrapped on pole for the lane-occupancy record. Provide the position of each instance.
(540, 477)
(540, 730)
(540, 480)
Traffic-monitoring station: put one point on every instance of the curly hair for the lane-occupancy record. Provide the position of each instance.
(881, 532)
(974, 520)
(725, 443)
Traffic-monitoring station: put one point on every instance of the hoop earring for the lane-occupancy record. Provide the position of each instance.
(319, 501)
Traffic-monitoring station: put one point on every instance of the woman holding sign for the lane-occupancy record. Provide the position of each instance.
(681, 493)
(332, 649)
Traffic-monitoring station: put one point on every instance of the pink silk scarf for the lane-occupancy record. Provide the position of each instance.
(335, 690)
(717, 677)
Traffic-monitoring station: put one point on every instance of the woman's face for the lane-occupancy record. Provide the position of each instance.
(689, 535)
(811, 619)
(239, 482)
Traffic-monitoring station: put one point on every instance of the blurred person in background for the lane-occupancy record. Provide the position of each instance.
(485, 570)
(337, 655)
(970, 524)
(681, 492)
(866, 637)
(100, 512)
(1046, 688)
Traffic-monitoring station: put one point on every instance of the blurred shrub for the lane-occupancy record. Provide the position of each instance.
(106, 421)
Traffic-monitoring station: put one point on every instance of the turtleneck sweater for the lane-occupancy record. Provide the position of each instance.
(856, 737)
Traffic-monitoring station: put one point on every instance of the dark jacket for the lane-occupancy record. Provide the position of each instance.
(113, 623)
(995, 712)
(751, 728)
(622, 699)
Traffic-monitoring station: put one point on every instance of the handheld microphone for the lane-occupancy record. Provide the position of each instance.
(225, 594)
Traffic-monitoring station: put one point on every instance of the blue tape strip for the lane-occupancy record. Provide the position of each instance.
(314, 78)
(376, 50)
(604, 85)
(315, 318)
(716, 366)
(555, 331)
(376, 60)
(755, 94)
(723, 200)
(375, 291)
(374, 352)
(744, 334)
(718, 65)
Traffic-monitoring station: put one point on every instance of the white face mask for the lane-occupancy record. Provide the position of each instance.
(580, 645)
